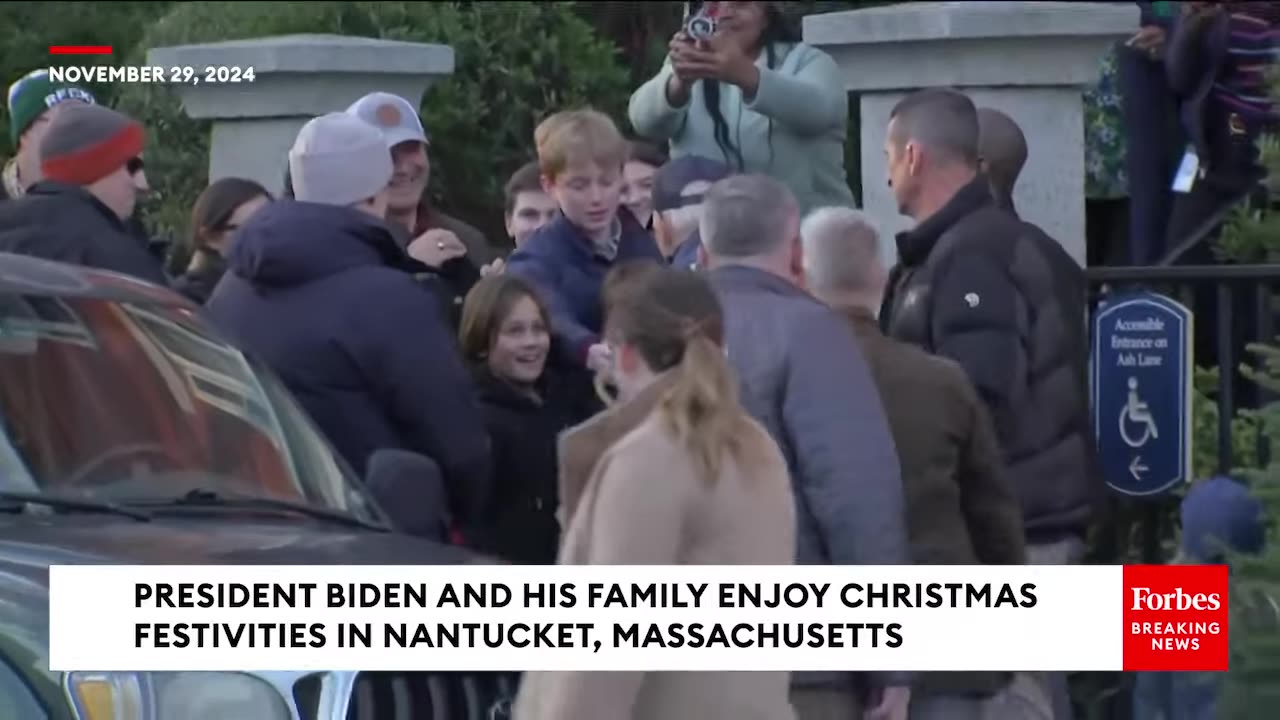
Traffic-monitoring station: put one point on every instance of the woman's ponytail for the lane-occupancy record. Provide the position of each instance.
(702, 405)
(676, 323)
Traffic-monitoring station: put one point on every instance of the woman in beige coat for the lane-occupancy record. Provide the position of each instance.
(675, 473)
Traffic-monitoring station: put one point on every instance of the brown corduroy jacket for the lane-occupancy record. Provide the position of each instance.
(961, 509)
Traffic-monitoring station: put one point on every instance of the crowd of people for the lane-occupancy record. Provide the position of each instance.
(693, 359)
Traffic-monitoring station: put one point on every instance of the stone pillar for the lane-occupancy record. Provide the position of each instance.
(296, 78)
(1030, 60)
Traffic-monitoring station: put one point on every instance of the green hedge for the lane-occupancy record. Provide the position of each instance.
(1245, 428)
(516, 63)
(1253, 682)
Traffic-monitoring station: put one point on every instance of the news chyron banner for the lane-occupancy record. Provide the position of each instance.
(637, 618)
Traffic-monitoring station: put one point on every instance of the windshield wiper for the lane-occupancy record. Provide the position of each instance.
(21, 499)
(201, 498)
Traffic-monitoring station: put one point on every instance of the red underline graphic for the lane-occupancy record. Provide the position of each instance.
(79, 49)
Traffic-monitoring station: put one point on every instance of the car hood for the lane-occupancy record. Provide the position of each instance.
(29, 546)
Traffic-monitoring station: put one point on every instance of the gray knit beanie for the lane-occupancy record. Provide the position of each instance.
(85, 143)
(339, 160)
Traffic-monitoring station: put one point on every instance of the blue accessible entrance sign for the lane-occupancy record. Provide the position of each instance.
(1141, 371)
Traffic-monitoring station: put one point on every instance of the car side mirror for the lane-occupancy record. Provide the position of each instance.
(410, 490)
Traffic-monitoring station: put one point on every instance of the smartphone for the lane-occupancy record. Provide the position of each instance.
(698, 25)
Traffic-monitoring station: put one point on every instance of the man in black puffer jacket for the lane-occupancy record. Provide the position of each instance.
(974, 285)
(1003, 148)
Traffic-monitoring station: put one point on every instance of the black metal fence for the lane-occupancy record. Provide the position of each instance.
(1232, 305)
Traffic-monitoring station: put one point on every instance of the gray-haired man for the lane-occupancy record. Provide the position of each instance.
(806, 381)
(961, 509)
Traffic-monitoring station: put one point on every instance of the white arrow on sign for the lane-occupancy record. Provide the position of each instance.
(1136, 468)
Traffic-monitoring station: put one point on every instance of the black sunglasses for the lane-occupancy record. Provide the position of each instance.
(134, 165)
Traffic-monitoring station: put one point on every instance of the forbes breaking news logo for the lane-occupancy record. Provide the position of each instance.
(1176, 618)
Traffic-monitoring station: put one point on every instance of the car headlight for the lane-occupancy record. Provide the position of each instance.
(174, 696)
(214, 696)
(108, 696)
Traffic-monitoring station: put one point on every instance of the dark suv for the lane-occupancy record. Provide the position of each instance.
(130, 433)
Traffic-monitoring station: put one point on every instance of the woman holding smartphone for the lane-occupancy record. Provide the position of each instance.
(753, 96)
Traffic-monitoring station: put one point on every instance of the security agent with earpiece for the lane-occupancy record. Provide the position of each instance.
(974, 284)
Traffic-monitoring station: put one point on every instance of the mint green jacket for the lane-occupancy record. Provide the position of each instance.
(804, 96)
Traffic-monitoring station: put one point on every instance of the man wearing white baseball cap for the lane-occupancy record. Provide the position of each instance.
(434, 238)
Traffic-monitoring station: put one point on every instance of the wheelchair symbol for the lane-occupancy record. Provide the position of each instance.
(1136, 412)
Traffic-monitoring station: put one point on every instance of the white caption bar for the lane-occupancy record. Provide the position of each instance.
(1033, 618)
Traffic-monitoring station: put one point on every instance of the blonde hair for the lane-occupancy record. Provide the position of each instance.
(578, 136)
(675, 321)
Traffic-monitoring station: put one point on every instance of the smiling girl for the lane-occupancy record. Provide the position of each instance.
(505, 336)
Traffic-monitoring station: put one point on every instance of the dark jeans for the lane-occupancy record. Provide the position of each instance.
(826, 703)
(1068, 551)
(1232, 175)
(1175, 696)
(1106, 222)
(1155, 143)
(947, 707)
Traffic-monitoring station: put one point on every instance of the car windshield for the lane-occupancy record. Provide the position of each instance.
(137, 402)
